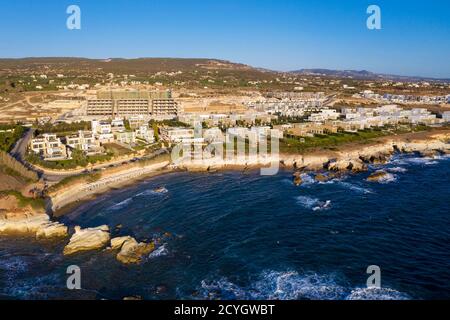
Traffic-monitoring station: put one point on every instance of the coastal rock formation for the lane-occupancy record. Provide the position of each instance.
(25, 220)
(297, 178)
(430, 153)
(88, 239)
(117, 243)
(131, 251)
(355, 165)
(321, 177)
(378, 176)
(28, 223)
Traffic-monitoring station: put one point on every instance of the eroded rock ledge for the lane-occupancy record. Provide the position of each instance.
(129, 250)
(88, 239)
(28, 224)
(16, 220)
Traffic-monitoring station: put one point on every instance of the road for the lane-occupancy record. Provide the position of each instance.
(52, 178)
(20, 148)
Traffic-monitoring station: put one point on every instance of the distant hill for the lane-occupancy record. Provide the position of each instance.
(361, 75)
(128, 66)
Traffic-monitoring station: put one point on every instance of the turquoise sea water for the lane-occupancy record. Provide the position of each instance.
(239, 235)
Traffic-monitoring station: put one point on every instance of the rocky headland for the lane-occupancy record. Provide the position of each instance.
(25, 220)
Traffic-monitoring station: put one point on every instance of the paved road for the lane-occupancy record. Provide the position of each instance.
(20, 148)
(52, 178)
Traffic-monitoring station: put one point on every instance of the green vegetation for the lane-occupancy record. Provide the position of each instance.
(8, 139)
(79, 159)
(155, 131)
(23, 201)
(116, 149)
(15, 168)
(169, 123)
(295, 144)
(63, 128)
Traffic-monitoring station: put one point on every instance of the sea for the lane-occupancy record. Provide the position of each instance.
(239, 235)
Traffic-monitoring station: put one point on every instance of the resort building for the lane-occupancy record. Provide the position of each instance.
(145, 133)
(130, 103)
(84, 141)
(127, 137)
(49, 146)
(102, 131)
(177, 134)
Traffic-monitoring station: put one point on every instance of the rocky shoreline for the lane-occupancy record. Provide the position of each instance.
(354, 157)
(327, 164)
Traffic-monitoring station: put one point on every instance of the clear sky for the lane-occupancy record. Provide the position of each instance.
(275, 34)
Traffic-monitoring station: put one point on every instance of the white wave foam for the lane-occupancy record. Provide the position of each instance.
(290, 285)
(122, 204)
(307, 202)
(397, 169)
(313, 203)
(307, 179)
(355, 188)
(159, 252)
(153, 192)
(387, 178)
(323, 206)
(376, 294)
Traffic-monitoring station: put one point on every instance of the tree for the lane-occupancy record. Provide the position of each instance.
(155, 130)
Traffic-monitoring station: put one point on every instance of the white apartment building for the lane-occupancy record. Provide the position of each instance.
(126, 137)
(177, 134)
(84, 141)
(49, 146)
(324, 115)
(102, 131)
(117, 125)
(145, 133)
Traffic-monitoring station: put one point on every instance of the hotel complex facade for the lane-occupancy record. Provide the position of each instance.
(129, 103)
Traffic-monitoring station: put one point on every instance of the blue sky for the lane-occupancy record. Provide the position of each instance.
(276, 34)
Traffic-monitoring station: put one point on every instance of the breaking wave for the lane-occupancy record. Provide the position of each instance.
(313, 203)
(355, 188)
(122, 204)
(153, 192)
(376, 294)
(397, 170)
(159, 252)
(290, 285)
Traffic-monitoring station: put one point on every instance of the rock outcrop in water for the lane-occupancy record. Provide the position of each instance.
(131, 252)
(355, 165)
(88, 239)
(297, 178)
(378, 176)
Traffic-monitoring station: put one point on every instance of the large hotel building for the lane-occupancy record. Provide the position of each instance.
(127, 103)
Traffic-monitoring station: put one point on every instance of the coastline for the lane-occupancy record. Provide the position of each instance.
(59, 203)
(352, 157)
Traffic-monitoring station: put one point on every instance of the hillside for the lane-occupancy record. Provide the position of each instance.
(360, 75)
(141, 66)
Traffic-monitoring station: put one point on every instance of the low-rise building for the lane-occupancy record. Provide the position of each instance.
(84, 141)
(126, 137)
(145, 133)
(49, 146)
(177, 134)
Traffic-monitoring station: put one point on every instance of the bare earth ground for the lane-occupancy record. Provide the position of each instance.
(29, 106)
